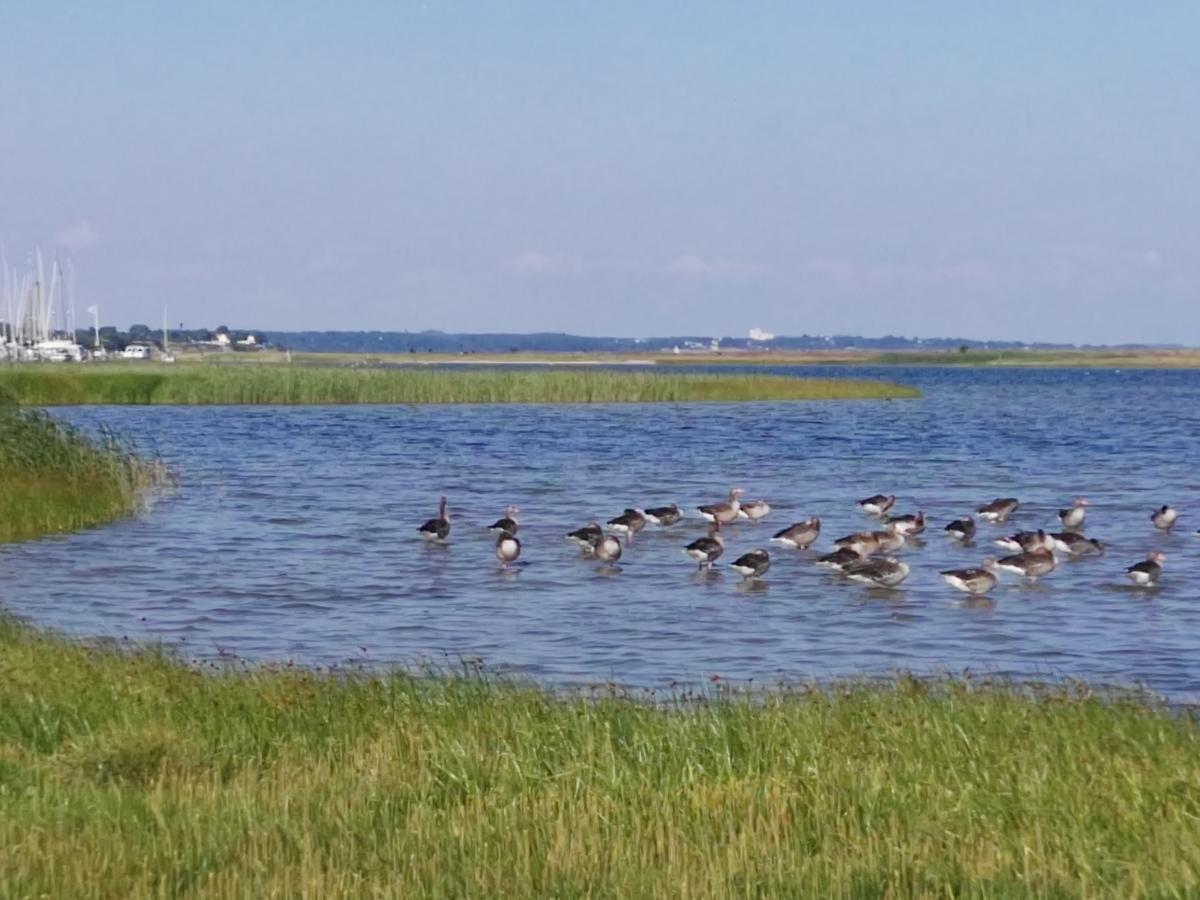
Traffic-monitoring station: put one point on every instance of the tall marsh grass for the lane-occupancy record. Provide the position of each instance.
(54, 478)
(128, 774)
(43, 385)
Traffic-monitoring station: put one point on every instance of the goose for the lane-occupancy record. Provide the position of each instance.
(437, 529)
(1031, 564)
(754, 510)
(878, 504)
(909, 524)
(998, 510)
(1075, 544)
(889, 540)
(1024, 541)
(1072, 517)
(508, 522)
(1146, 572)
(586, 536)
(972, 581)
(705, 550)
(663, 515)
(799, 536)
(607, 548)
(628, 523)
(1164, 517)
(723, 513)
(864, 543)
(752, 565)
(508, 548)
(840, 558)
(961, 529)
(887, 572)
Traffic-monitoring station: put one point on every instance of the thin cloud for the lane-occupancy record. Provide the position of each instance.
(713, 268)
(77, 236)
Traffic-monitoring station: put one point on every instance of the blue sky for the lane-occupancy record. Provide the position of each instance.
(1006, 170)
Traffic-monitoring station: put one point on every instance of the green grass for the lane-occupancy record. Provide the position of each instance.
(53, 478)
(129, 774)
(45, 385)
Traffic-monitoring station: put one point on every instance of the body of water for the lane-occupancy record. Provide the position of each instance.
(293, 534)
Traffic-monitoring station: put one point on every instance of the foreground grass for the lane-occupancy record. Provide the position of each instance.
(53, 478)
(132, 775)
(46, 385)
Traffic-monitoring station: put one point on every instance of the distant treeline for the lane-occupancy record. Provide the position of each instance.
(112, 338)
(554, 342)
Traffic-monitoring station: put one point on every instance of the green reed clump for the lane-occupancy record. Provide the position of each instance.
(54, 478)
(282, 384)
(128, 774)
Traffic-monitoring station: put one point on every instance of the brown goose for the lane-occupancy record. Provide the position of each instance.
(753, 564)
(1147, 572)
(508, 522)
(1164, 517)
(961, 529)
(1031, 564)
(508, 548)
(998, 510)
(908, 524)
(887, 572)
(864, 543)
(889, 540)
(840, 558)
(723, 513)
(1073, 543)
(663, 515)
(607, 548)
(628, 523)
(586, 536)
(972, 581)
(799, 536)
(877, 504)
(1024, 541)
(437, 529)
(754, 510)
(1072, 517)
(705, 550)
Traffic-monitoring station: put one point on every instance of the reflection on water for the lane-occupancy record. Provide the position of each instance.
(293, 536)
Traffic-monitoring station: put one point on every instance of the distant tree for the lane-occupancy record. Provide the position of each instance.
(962, 348)
(139, 332)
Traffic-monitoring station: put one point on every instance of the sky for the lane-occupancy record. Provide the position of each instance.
(1008, 170)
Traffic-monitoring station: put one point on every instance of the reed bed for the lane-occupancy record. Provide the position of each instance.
(130, 774)
(43, 385)
(53, 478)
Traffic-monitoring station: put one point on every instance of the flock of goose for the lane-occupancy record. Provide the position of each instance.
(864, 556)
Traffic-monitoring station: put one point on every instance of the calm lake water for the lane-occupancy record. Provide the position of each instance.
(293, 534)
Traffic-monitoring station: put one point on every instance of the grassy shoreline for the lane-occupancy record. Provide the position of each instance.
(43, 385)
(130, 774)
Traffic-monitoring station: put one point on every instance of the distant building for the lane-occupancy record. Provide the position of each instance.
(758, 334)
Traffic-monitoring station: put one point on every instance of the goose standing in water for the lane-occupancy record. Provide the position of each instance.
(437, 529)
(1024, 541)
(864, 543)
(663, 515)
(887, 572)
(1147, 572)
(508, 548)
(1164, 517)
(799, 536)
(628, 523)
(586, 536)
(889, 540)
(508, 522)
(1072, 517)
(752, 565)
(998, 510)
(1073, 543)
(705, 550)
(908, 525)
(1031, 564)
(961, 529)
(723, 513)
(976, 582)
(840, 558)
(754, 510)
(878, 504)
(607, 548)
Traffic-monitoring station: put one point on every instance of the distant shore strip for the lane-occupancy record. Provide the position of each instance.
(42, 385)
